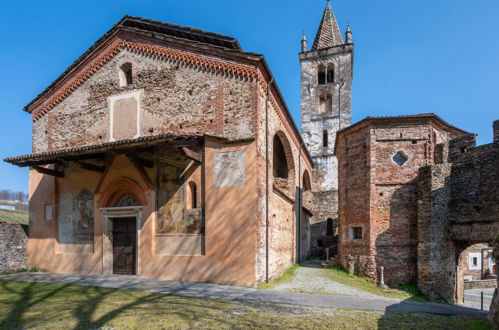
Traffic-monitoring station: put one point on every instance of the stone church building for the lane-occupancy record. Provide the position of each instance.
(166, 151)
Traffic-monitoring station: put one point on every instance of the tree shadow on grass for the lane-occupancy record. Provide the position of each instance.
(26, 300)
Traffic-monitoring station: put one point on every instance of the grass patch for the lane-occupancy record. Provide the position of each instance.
(409, 291)
(287, 276)
(26, 305)
(14, 217)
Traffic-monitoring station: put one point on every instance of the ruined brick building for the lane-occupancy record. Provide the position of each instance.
(415, 193)
(326, 83)
(166, 151)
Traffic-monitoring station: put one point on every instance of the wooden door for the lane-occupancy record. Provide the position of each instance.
(124, 246)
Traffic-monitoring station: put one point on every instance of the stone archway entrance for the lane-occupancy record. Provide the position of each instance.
(122, 213)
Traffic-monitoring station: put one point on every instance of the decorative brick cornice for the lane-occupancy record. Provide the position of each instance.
(80, 77)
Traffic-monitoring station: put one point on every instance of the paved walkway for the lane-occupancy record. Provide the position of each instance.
(311, 278)
(208, 290)
(472, 298)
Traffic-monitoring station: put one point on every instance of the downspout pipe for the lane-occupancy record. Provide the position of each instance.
(267, 180)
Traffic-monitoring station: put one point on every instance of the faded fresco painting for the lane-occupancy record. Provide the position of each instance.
(170, 200)
(230, 168)
(76, 218)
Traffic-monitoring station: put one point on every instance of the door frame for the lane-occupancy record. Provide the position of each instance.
(110, 213)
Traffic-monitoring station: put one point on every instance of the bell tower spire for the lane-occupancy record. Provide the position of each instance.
(326, 83)
(328, 34)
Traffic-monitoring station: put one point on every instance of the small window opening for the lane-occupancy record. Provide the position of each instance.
(325, 141)
(320, 243)
(329, 227)
(356, 233)
(126, 74)
(307, 185)
(400, 158)
(194, 198)
(330, 74)
(322, 76)
(280, 164)
(414, 142)
(463, 150)
(475, 261)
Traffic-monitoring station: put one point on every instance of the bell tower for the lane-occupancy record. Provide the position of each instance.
(326, 83)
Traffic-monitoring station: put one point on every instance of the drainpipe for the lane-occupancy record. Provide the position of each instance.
(267, 181)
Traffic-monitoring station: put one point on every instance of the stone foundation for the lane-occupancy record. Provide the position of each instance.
(13, 247)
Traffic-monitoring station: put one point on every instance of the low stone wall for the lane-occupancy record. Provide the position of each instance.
(13, 247)
(480, 284)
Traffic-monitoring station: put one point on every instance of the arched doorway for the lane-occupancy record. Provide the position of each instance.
(122, 204)
(475, 267)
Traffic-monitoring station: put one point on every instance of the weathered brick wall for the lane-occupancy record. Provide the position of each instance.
(381, 196)
(480, 284)
(457, 207)
(494, 307)
(13, 247)
(175, 98)
(282, 195)
(353, 210)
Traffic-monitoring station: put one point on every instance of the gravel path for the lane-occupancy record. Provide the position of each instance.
(310, 278)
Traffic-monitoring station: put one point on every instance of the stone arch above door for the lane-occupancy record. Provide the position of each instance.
(120, 188)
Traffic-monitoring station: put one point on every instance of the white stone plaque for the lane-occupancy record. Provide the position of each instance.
(230, 168)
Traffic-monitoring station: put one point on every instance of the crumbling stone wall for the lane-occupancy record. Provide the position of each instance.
(13, 247)
(174, 98)
(458, 204)
(494, 307)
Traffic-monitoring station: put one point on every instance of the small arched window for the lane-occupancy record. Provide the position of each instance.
(126, 74)
(329, 227)
(321, 75)
(330, 74)
(307, 185)
(325, 141)
(193, 195)
(280, 164)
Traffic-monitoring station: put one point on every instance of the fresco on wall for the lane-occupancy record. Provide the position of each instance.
(76, 218)
(170, 200)
(230, 168)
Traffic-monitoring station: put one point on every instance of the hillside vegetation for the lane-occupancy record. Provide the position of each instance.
(14, 217)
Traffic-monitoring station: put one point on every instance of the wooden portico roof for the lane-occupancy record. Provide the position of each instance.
(136, 145)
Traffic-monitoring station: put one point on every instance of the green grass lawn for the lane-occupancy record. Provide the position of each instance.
(14, 217)
(409, 291)
(287, 276)
(26, 305)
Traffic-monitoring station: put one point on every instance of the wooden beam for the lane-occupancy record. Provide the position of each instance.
(143, 162)
(143, 174)
(109, 163)
(48, 171)
(195, 156)
(91, 167)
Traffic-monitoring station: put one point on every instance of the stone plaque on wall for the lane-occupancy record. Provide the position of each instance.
(230, 168)
(76, 218)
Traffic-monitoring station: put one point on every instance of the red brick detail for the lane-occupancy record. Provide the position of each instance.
(118, 189)
(207, 63)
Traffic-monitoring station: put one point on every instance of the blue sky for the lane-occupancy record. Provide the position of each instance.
(411, 56)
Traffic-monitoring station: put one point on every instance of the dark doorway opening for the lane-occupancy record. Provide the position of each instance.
(124, 246)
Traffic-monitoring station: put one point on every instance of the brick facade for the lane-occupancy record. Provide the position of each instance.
(379, 159)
